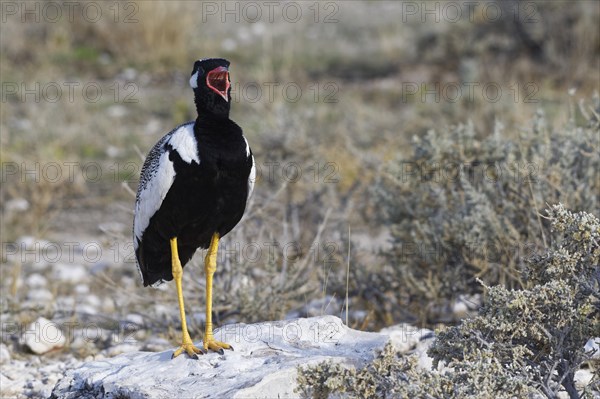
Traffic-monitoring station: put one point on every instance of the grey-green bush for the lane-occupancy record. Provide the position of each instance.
(523, 343)
(466, 206)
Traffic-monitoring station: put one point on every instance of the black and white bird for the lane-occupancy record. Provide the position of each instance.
(194, 188)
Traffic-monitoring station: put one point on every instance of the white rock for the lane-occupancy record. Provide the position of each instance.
(153, 127)
(263, 364)
(4, 354)
(327, 305)
(91, 299)
(82, 289)
(80, 342)
(465, 304)
(30, 243)
(22, 124)
(405, 337)
(583, 378)
(156, 345)
(593, 347)
(459, 309)
(113, 152)
(17, 205)
(9, 387)
(32, 379)
(87, 309)
(425, 362)
(69, 273)
(43, 336)
(65, 303)
(108, 305)
(113, 227)
(36, 280)
(165, 311)
(40, 295)
(135, 318)
(118, 349)
(116, 111)
(199, 317)
(129, 74)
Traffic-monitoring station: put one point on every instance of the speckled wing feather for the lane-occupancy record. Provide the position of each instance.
(158, 174)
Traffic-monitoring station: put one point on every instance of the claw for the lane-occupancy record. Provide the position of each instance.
(190, 349)
(216, 346)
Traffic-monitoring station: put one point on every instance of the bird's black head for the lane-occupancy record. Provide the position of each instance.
(212, 87)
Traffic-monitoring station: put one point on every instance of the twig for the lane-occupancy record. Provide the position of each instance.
(347, 274)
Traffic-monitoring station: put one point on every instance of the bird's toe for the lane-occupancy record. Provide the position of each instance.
(217, 346)
(191, 350)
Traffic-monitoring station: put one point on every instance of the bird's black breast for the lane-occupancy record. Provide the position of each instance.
(205, 198)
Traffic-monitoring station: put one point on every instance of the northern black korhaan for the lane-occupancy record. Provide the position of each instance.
(194, 188)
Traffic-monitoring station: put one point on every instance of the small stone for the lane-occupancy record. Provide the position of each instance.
(80, 342)
(87, 309)
(199, 317)
(465, 304)
(583, 378)
(459, 309)
(113, 227)
(116, 111)
(4, 354)
(164, 311)
(425, 362)
(36, 280)
(65, 303)
(108, 305)
(592, 347)
(113, 152)
(69, 273)
(93, 300)
(91, 358)
(82, 289)
(17, 205)
(156, 345)
(134, 318)
(153, 126)
(129, 74)
(42, 336)
(40, 295)
(121, 348)
(405, 337)
(10, 387)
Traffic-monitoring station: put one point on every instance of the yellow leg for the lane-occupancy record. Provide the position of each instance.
(210, 265)
(187, 345)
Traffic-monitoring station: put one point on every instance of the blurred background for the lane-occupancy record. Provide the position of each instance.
(405, 149)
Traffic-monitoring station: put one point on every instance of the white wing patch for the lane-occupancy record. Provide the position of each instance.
(158, 175)
(251, 180)
(248, 150)
(194, 80)
(252, 176)
(152, 195)
(184, 142)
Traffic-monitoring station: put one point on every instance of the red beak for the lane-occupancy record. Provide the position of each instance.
(218, 81)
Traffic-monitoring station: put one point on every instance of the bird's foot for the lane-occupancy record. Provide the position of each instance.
(188, 347)
(216, 346)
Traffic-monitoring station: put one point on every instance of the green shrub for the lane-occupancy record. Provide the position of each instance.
(462, 207)
(538, 334)
(392, 375)
(523, 343)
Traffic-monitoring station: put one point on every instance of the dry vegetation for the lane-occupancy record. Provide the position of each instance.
(382, 158)
(523, 343)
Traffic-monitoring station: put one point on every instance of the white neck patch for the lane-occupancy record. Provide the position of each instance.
(184, 142)
(194, 80)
